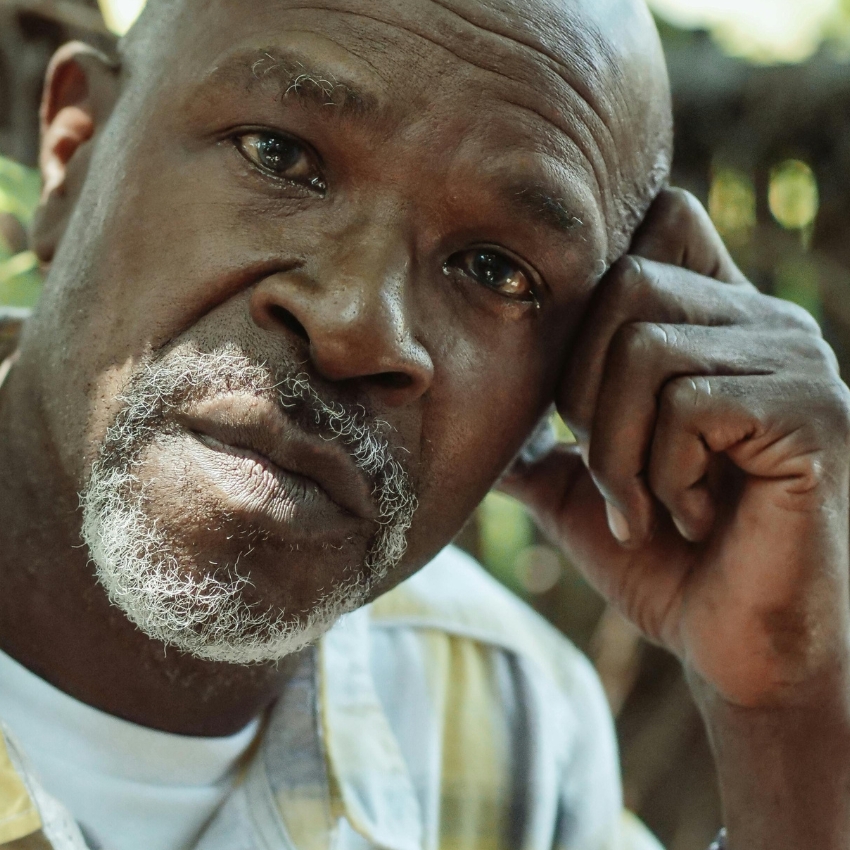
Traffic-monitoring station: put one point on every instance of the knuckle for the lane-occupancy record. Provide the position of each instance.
(837, 403)
(677, 206)
(629, 283)
(640, 342)
(683, 395)
(796, 317)
(825, 355)
(803, 354)
(688, 206)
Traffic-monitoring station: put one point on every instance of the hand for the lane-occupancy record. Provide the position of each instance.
(707, 497)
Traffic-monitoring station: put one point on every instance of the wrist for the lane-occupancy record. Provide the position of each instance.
(784, 771)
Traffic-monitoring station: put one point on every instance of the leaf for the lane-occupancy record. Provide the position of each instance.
(20, 188)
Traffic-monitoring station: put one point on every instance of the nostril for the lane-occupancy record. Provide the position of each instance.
(392, 380)
(283, 317)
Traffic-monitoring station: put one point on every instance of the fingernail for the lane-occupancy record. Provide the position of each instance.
(618, 523)
(680, 527)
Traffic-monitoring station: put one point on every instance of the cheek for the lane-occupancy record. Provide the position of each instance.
(476, 420)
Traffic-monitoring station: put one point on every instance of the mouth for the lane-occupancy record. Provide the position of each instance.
(276, 460)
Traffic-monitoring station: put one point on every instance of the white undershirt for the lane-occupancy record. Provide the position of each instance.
(133, 787)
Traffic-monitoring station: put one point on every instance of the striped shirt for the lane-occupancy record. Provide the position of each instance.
(446, 715)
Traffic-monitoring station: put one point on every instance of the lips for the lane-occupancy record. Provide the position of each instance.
(256, 430)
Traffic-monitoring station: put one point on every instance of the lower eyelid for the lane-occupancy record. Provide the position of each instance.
(532, 300)
(257, 168)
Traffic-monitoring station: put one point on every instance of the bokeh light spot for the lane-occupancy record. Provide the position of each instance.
(120, 15)
(505, 529)
(538, 569)
(732, 204)
(793, 195)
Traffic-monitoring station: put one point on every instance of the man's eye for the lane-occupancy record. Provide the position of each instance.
(283, 157)
(495, 271)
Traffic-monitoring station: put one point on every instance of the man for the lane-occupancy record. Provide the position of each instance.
(316, 274)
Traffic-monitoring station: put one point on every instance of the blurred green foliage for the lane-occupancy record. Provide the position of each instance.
(505, 532)
(20, 278)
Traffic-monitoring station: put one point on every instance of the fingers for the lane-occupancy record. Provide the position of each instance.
(749, 420)
(649, 292)
(650, 325)
(545, 483)
(647, 326)
(776, 427)
(643, 359)
(680, 458)
(678, 231)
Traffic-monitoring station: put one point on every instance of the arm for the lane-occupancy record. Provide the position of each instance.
(784, 774)
(708, 500)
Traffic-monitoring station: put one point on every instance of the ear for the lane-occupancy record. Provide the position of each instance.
(80, 91)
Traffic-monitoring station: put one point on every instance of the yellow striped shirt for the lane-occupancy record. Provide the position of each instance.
(444, 716)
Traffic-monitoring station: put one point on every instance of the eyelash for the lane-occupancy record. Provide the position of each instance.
(316, 185)
(455, 269)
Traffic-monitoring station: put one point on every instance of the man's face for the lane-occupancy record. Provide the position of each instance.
(399, 209)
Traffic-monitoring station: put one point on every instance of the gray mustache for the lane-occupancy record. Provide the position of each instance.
(186, 374)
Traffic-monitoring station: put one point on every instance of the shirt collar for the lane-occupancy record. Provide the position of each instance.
(363, 754)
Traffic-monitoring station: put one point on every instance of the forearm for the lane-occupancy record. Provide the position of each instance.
(784, 774)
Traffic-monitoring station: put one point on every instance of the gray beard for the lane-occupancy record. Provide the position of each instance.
(208, 616)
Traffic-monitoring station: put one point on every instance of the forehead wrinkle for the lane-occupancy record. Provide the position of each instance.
(545, 206)
(598, 169)
(348, 47)
(587, 114)
(596, 77)
(583, 92)
(591, 112)
(580, 86)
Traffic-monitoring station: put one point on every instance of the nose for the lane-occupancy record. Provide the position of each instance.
(352, 311)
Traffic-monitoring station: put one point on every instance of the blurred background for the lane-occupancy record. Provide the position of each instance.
(762, 103)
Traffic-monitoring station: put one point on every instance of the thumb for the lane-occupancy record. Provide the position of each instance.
(549, 485)
(678, 231)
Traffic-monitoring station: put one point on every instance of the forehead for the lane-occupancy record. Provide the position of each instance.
(531, 79)
(551, 44)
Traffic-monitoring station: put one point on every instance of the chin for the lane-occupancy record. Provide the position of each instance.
(198, 577)
(253, 602)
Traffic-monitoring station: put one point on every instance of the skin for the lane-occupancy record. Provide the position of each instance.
(707, 496)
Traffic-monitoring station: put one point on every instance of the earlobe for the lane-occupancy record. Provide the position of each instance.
(80, 90)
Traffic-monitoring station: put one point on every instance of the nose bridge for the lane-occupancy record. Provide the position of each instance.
(364, 290)
(373, 264)
(353, 302)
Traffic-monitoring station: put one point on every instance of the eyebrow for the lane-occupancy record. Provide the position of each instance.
(297, 78)
(544, 206)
